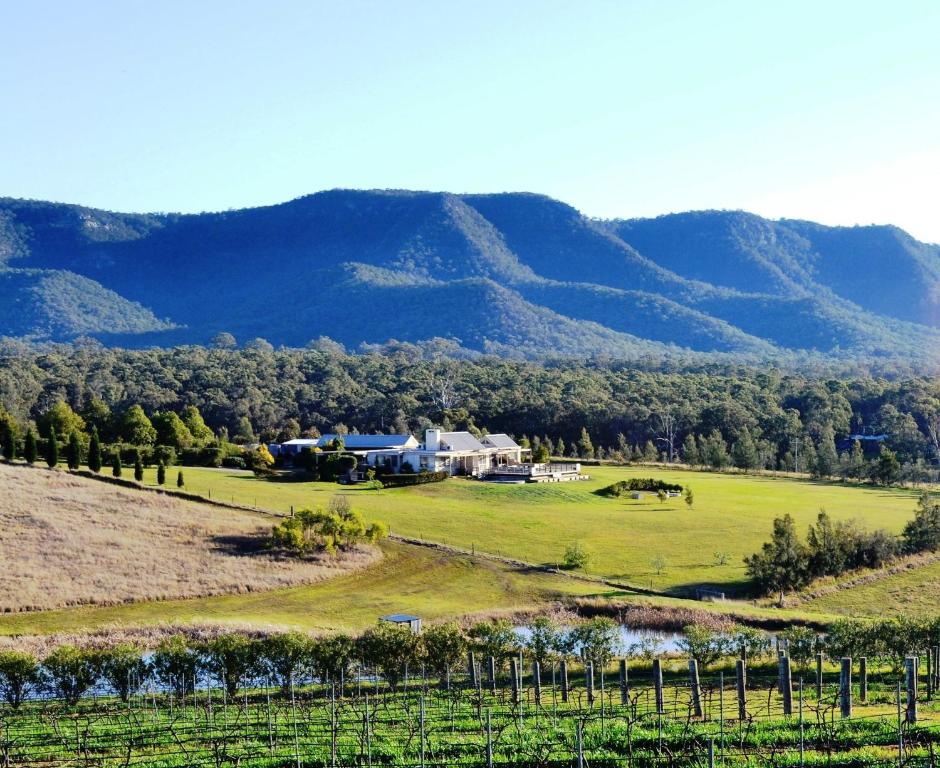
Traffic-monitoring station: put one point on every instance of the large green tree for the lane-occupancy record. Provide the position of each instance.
(782, 564)
(136, 428)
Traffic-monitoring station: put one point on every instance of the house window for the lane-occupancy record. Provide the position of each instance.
(423, 462)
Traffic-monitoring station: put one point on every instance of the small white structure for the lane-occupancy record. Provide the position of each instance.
(357, 444)
(404, 619)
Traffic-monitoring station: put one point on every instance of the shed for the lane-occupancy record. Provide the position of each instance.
(407, 619)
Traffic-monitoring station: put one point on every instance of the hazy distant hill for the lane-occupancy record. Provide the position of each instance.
(514, 274)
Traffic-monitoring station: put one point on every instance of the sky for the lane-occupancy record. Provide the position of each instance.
(820, 110)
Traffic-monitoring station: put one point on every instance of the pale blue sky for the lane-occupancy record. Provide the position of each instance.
(823, 110)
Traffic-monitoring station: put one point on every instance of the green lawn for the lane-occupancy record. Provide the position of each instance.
(409, 578)
(732, 515)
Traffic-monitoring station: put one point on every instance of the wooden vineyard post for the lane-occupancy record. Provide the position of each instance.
(589, 682)
(910, 665)
(863, 680)
(564, 681)
(740, 670)
(624, 683)
(695, 688)
(491, 668)
(537, 683)
(514, 680)
(819, 676)
(785, 684)
(472, 668)
(658, 684)
(845, 687)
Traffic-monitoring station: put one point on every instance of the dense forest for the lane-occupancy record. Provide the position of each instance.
(516, 275)
(718, 416)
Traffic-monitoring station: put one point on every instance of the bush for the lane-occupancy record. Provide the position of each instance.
(123, 669)
(575, 557)
(649, 484)
(234, 462)
(18, 673)
(174, 664)
(389, 649)
(285, 656)
(69, 672)
(231, 659)
(398, 481)
(164, 453)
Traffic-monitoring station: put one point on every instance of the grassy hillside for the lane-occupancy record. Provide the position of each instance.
(732, 515)
(67, 540)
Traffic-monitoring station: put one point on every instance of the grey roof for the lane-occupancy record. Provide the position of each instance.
(461, 441)
(400, 617)
(500, 440)
(370, 441)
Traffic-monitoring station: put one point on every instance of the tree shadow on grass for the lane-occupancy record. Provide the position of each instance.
(241, 545)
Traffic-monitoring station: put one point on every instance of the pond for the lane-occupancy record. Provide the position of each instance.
(632, 640)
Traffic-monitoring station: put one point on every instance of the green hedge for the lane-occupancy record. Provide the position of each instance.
(649, 484)
(419, 478)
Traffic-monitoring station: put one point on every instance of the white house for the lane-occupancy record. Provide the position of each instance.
(457, 453)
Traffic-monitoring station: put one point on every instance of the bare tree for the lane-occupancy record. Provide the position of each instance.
(668, 432)
(444, 392)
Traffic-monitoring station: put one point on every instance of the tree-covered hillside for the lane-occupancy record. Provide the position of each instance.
(517, 274)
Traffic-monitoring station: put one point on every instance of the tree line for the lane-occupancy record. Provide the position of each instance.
(707, 416)
(832, 548)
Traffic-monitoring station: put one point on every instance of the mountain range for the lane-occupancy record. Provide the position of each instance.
(515, 274)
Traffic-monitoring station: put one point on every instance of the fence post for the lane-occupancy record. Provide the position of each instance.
(785, 683)
(910, 664)
(845, 687)
(695, 688)
(819, 679)
(711, 753)
(514, 680)
(624, 683)
(537, 683)
(740, 684)
(472, 665)
(564, 680)
(929, 681)
(658, 683)
(589, 682)
(802, 755)
(491, 669)
(863, 680)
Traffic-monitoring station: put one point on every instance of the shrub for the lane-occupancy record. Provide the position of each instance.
(174, 665)
(284, 656)
(703, 644)
(330, 657)
(123, 669)
(494, 638)
(18, 673)
(443, 647)
(161, 474)
(69, 672)
(166, 454)
(649, 484)
(390, 649)
(234, 462)
(596, 640)
(397, 481)
(338, 527)
(231, 659)
(575, 557)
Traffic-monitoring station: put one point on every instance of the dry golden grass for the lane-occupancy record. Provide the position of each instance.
(66, 540)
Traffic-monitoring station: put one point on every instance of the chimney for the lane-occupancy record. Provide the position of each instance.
(432, 439)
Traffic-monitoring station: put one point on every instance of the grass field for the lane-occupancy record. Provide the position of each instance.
(67, 540)
(408, 578)
(731, 517)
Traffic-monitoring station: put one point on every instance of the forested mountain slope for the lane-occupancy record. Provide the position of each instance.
(513, 274)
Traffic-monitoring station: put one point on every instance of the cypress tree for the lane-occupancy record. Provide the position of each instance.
(9, 441)
(29, 448)
(52, 448)
(179, 479)
(161, 473)
(94, 451)
(116, 465)
(73, 454)
(138, 469)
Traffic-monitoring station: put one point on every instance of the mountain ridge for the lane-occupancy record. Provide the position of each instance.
(517, 274)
